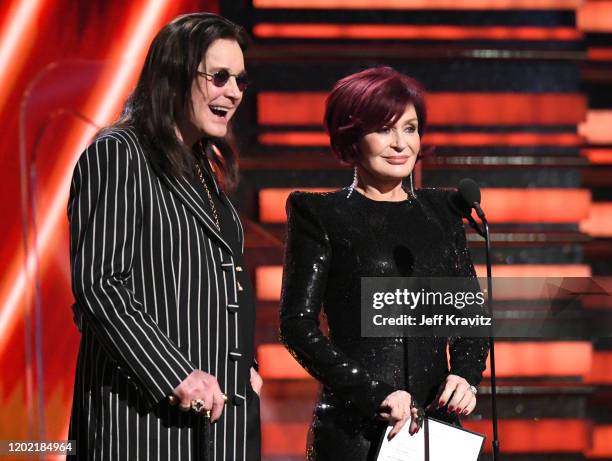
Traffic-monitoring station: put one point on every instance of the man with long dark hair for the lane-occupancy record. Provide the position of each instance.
(165, 309)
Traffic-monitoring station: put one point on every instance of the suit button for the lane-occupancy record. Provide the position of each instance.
(239, 286)
(237, 400)
(238, 268)
(235, 355)
(233, 308)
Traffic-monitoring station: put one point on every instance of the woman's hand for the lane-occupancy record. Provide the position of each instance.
(256, 381)
(457, 393)
(396, 408)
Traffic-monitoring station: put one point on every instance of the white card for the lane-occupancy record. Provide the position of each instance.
(445, 442)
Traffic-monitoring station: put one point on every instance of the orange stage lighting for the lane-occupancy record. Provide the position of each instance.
(536, 205)
(526, 284)
(501, 205)
(284, 438)
(536, 436)
(600, 54)
(268, 282)
(512, 359)
(601, 445)
(506, 108)
(598, 156)
(103, 104)
(599, 221)
(594, 16)
(18, 37)
(421, 4)
(294, 138)
(601, 370)
(275, 362)
(404, 32)
(535, 270)
(503, 139)
(596, 128)
(272, 202)
(306, 108)
(443, 108)
(542, 359)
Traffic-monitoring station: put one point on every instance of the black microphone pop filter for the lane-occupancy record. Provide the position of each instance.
(465, 199)
(459, 205)
(469, 191)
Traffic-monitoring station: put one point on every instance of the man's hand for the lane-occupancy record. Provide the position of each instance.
(203, 386)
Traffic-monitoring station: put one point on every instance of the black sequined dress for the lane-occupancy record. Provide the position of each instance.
(332, 242)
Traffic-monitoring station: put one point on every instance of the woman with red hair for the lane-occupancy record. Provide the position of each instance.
(379, 226)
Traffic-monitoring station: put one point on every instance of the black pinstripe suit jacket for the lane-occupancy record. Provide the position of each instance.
(156, 290)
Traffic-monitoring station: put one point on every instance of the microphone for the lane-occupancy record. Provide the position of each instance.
(459, 204)
(469, 193)
(464, 199)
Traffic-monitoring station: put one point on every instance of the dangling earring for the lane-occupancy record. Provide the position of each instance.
(351, 188)
(411, 182)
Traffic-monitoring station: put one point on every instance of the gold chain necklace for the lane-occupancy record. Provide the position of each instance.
(210, 200)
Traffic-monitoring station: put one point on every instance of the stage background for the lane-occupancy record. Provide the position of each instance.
(520, 97)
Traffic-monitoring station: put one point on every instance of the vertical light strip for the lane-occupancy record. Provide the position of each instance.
(131, 60)
(16, 35)
(106, 98)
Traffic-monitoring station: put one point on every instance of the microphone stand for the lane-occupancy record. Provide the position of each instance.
(464, 208)
(485, 234)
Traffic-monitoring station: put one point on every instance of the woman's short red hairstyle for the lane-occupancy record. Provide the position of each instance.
(367, 101)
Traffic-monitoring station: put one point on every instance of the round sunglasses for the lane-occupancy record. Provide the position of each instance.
(221, 77)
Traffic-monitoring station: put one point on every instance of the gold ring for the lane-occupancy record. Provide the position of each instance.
(224, 397)
(207, 414)
(197, 405)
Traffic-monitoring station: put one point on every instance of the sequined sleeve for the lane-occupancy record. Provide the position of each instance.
(467, 355)
(307, 259)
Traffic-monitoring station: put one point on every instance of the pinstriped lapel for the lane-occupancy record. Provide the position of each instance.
(190, 197)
